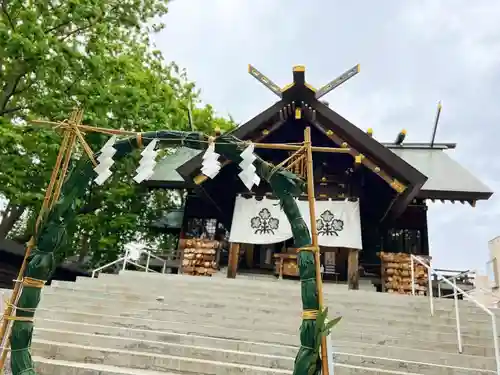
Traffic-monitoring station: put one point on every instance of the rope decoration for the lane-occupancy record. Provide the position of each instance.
(19, 318)
(28, 282)
(311, 248)
(26, 309)
(33, 283)
(310, 314)
(138, 137)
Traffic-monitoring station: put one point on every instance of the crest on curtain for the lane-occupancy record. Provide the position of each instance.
(264, 222)
(328, 225)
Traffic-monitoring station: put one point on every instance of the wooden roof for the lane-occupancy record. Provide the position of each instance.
(447, 179)
(407, 168)
(301, 95)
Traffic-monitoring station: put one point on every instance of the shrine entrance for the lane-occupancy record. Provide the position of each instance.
(265, 236)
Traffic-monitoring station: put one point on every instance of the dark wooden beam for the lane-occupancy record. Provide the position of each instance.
(404, 200)
(353, 269)
(234, 254)
(359, 140)
(454, 195)
(188, 169)
(362, 159)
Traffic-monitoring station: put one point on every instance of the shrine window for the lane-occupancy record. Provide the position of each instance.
(404, 241)
(209, 228)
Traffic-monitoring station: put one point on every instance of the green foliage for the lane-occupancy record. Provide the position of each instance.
(95, 54)
(323, 328)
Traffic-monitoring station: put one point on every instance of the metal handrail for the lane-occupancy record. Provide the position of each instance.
(126, 260)
(495, 297)
(456, 290)
(454, 278)
(473, 289)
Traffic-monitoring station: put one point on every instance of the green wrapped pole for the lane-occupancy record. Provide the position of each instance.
(52, 235)
(287, 186)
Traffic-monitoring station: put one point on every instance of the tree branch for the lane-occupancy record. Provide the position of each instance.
(4, 10)
(57, 26)
(10, 89)
(76, 31)
(91, 23)
(8, 111)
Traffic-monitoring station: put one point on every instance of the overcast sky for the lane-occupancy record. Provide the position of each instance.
(412, 54)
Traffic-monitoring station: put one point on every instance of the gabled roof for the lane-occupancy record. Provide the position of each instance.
(412, 170)
(172, 221)
(165, 174)
(396, 171)
(447, 179)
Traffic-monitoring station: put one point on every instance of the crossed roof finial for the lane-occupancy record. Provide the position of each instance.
(299, 71)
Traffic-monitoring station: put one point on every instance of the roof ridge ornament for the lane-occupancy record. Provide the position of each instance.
(264, 80)
(299, 79)
(348, 74)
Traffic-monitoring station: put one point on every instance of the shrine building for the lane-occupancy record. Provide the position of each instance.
(370, 200)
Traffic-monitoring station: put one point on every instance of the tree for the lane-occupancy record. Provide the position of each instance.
(55, 55)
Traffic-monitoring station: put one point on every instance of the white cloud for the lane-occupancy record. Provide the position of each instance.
(470, 27)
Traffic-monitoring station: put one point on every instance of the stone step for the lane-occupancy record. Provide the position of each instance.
(64, 297)
(46, 366)
(277, 364)
(264, 285)
(245, 303)
(235, 330)
(220, 326)
(269, 343)
(238, 310)
(260, 354)
(137, 292)
(144, 360)
(271, 288)
(58, 367)
(183, 311)
(274, 289)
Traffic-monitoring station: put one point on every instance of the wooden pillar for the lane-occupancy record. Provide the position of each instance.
(234, 254)
(249, 248)
(424, 233)
(353, 269)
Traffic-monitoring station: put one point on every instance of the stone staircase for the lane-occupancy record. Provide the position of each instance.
(138, 323)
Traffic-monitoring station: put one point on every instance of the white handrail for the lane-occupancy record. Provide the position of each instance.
(454, 278)
(495, 297)
(455, 295)
(126, 260)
